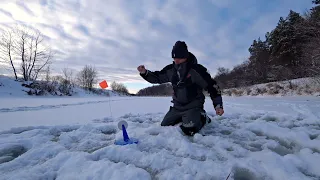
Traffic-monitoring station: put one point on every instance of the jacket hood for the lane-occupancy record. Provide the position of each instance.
(192, 58)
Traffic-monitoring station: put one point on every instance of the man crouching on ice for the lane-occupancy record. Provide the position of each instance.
(188, 79)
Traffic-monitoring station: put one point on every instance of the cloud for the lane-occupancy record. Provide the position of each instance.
(6, 13)
(221, 4)
(117, 36)
(25, 8)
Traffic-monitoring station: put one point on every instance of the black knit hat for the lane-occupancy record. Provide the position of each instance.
(180, 50)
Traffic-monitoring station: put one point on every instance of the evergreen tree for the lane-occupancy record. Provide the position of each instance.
(258, 60)
(315, 11)
(285, 41)
(290, 50)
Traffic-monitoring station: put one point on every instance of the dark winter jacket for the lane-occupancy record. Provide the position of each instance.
(188, 80)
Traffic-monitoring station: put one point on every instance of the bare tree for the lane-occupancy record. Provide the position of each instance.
(47, 74)
(87, 77)
(34, 55)
(222, 71)
(68, 74)
(7, 48)
(119, 87)
(66, 83)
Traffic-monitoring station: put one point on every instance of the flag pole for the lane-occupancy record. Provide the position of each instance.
(110, 104)
(104, 85)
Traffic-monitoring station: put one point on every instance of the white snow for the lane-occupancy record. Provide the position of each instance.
(272, 138)
(11, 88)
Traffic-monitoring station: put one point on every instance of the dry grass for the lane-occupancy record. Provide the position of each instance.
(270, 85)
(307, 90)
(274, 88)
(273, 91)
(239, 92)
(292, 86)
(309, 86)
(227, 92)
(262, 90)
(299, 91)
(248, 91)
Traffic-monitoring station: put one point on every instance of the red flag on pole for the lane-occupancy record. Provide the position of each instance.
(103, 84)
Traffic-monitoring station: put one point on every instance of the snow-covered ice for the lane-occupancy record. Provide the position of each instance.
(270, 138)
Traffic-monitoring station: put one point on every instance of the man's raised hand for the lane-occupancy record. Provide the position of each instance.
(141, 69)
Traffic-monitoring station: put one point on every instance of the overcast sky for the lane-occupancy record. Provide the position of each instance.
(117, 35)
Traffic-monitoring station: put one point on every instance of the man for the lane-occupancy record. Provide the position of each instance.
(188, 79)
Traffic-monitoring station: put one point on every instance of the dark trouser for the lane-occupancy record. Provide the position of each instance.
(192, 119)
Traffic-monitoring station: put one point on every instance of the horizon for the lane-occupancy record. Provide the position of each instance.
(118, 36)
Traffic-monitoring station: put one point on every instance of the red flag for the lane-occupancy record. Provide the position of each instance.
(103, 84)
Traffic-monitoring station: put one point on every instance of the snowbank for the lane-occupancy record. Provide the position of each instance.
(295, 87)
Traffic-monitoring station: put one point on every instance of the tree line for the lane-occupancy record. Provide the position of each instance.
(156, 90)
(291, 50)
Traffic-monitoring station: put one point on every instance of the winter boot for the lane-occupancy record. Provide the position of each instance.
(205, 118)
(187, 131)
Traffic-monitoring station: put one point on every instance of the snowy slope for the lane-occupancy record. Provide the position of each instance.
(73, 138)
(11, 88)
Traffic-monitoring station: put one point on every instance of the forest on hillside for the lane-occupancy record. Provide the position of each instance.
(291, 50)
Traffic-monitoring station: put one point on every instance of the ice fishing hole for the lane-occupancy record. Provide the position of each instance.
(10, 153)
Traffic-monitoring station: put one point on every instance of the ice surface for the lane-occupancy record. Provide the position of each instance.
(73, 138)
(271, 138)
